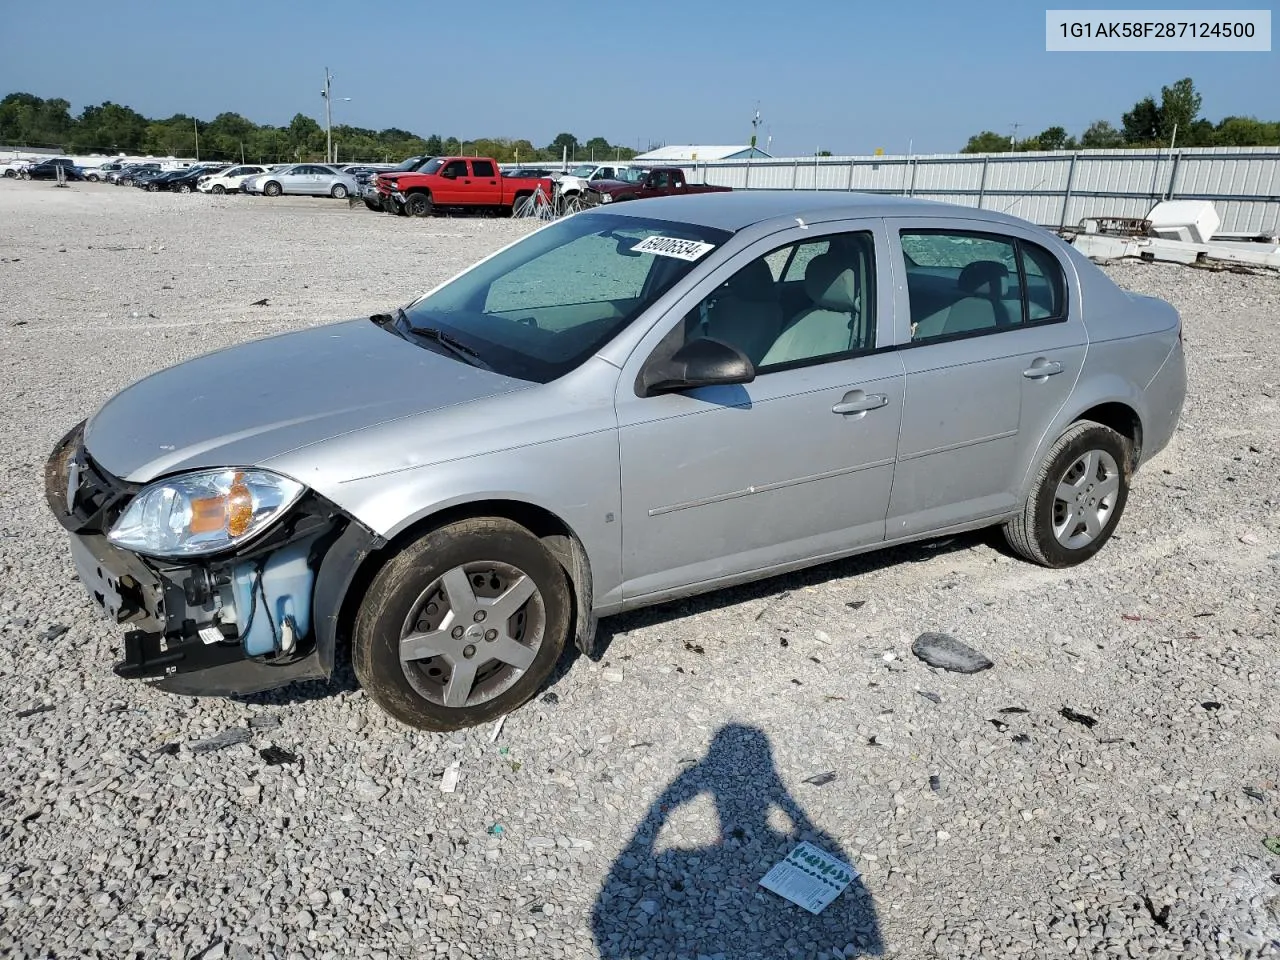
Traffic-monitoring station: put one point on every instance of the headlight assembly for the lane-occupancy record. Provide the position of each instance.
(205, 512)
(606, 198)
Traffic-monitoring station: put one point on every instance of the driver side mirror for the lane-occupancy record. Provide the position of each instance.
(699, 363)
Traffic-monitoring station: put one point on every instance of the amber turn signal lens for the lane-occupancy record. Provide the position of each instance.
(208, 515)
(239, 507)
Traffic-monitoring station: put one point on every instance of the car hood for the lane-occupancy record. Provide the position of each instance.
(247, 404)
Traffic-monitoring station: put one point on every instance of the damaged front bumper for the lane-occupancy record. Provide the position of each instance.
(236, 623)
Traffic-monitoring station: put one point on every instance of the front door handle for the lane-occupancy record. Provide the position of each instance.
(860, 403)
(1041, 369)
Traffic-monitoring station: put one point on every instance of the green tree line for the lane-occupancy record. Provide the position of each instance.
(110, 128)
(1148, 124)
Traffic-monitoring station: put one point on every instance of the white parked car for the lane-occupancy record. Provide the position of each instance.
(12, 168)
(102, 171)
(303, 179)
(574, 181)
(228, 181)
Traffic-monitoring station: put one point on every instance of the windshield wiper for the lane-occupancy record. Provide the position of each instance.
(446, 340)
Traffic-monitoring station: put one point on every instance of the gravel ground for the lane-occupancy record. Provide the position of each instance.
(630, 811)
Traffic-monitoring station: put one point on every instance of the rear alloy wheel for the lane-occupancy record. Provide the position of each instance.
(218, 188)
(271, 189)
(418, 205)
(463, 626)
(184, 188)
(1077, 498)
(339, 192)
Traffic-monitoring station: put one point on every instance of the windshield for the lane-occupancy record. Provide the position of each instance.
(433, 165)
(544, 306)
(632, 174)
(406, 165)
(583, 170)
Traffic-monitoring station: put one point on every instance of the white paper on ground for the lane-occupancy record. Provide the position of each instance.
(809, 877)
(449, 782)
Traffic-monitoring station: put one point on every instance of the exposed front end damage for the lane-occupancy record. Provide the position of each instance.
(238, 622)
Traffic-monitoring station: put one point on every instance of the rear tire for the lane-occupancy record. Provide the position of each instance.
(518, 202)
(339, 192)
(438, 590)
(185, 188)
(1076, 499)
(418, 205)
(271, 189)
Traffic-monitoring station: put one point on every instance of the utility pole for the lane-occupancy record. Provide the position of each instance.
(328, 117)
(196, 127)
(755, 124)
(1013, 140)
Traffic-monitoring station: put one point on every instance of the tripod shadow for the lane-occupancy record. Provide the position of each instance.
(686, 902)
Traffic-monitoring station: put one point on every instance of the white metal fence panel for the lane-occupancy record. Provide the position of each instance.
(1053, 188)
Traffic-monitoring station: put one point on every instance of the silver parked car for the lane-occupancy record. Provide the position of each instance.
(303, 179)
(626, 406)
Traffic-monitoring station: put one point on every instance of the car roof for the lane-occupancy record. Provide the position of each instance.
(743, 208)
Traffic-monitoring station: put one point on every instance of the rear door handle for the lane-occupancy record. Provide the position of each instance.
(860, 404)
(1042, 368)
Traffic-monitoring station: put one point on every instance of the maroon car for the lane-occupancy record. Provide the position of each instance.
(645, 182)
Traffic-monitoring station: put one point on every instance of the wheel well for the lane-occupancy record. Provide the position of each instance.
(412, 191)
(523, 195)
(1124, 421)
(543, 524)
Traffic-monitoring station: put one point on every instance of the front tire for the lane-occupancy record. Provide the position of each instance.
(218, 189)
(418, 205)
(271, 189)
(1077, 498)
(463, 626)
(373, 206)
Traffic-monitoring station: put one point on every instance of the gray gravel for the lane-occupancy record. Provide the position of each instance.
(631, 810)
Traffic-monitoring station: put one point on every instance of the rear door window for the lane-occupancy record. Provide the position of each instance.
(963, 283)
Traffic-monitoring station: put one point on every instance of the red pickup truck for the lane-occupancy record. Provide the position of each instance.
(642, 182)
(465, 183)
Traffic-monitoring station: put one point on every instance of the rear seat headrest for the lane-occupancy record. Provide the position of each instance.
(982, 273)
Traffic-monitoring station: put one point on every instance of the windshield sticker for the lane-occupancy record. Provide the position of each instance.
(674, 247)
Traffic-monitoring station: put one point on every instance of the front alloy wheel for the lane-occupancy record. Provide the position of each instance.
(463, 626)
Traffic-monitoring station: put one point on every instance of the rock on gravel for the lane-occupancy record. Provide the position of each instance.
(948, 653)
(117, 840)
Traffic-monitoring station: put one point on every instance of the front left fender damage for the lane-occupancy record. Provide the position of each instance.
(235, 623)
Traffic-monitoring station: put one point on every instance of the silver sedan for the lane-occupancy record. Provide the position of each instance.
(303, 179)
(624, 407)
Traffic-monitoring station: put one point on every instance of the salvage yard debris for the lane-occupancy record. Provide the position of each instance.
(947, 653)
(809, 877)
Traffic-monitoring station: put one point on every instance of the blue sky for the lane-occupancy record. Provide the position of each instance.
(841, 75)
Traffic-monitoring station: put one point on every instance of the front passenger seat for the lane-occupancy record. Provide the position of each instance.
(828, 326)
(747, 314)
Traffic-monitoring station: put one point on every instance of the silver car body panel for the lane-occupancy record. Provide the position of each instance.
(678, 493)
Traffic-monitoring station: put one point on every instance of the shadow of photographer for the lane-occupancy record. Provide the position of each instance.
(705, 901)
